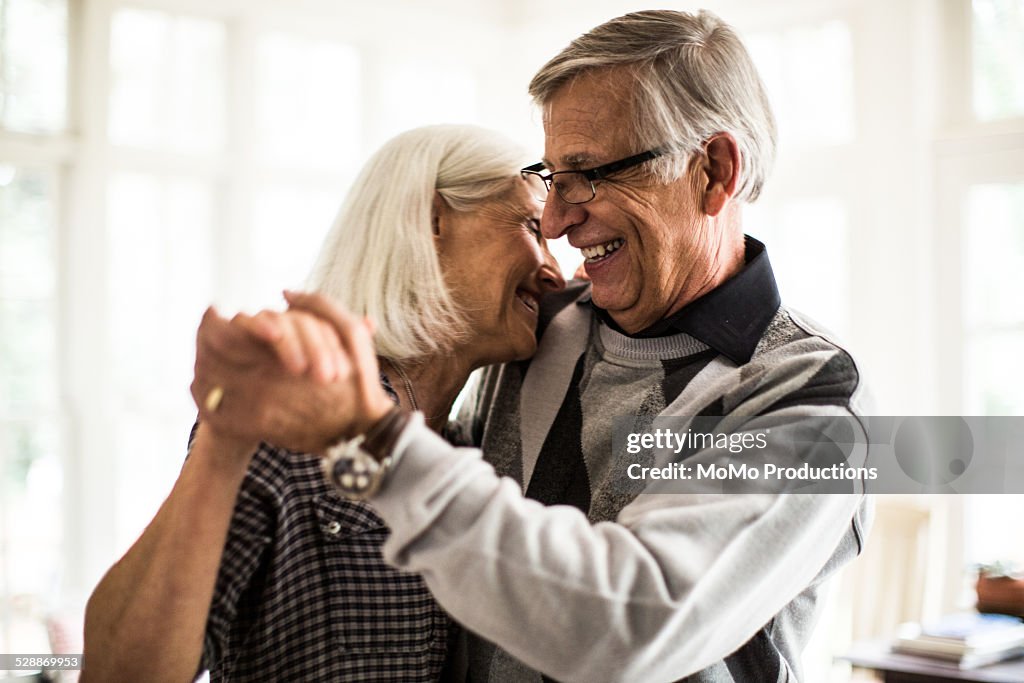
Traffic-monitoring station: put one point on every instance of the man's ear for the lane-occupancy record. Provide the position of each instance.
(438, 210)
(722, 168)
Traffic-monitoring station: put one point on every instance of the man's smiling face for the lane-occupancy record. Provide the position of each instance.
(657, 246)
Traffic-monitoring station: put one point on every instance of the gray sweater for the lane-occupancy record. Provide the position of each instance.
(592, 582)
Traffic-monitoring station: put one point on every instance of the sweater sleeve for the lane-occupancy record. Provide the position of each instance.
(676, 583)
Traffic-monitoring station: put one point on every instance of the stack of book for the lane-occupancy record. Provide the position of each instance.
(966, 640)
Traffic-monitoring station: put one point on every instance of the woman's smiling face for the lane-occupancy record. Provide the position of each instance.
(497, 265)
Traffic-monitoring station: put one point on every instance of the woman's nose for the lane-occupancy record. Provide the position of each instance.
(550, 274)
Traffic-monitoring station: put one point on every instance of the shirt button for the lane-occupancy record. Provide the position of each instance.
(333, 528)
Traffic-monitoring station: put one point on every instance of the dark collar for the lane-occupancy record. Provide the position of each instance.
(730, 318)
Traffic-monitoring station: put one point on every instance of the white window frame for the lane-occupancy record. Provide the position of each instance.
(83, 160)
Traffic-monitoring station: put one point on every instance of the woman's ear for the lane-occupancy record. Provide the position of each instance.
(437, 211)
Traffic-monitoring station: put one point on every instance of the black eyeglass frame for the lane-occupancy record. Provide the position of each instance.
(591, 174)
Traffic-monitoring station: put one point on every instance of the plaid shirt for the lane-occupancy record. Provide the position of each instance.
(303, 593)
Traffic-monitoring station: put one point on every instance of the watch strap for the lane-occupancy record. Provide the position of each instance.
(380, 439)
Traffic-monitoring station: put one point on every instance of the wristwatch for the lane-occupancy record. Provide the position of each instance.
(357, 466)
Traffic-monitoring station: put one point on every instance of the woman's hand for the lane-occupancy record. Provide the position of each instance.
(294, 378)
(356, 338)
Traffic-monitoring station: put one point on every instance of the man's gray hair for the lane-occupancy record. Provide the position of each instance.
(379, 257)
(691, 78)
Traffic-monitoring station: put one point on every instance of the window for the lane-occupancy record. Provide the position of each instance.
(993, 267)
(808, 249)
(167, 81)
(208, 152)
(983, 177)
(808, 72)
(997, 58)
(33, 79)
(307, 102)
(289, 225)
(166, 128)
(30, 424)
(33, 65)
(446, 93)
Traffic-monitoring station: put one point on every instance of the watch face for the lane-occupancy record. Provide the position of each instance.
(352, 470)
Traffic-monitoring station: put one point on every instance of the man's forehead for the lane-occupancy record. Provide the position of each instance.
(569, 150)
(579, 141)
(583, 125)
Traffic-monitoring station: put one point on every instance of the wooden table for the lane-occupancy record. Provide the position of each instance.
(901, 668)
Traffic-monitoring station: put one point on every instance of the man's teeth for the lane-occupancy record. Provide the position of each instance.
(601, 250)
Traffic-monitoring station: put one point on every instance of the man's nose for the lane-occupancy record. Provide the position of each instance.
(559, 216)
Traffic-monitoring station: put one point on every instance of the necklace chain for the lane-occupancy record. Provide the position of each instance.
(408, 385)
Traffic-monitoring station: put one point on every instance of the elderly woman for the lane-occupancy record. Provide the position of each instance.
(255, 567)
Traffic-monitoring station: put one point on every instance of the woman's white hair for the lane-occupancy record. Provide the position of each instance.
(379, 257)
(691, 78)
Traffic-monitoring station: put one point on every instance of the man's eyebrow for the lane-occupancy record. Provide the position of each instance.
(572, 161)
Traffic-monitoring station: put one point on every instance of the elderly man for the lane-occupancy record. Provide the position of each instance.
(657, 130)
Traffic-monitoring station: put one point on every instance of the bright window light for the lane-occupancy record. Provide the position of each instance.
(419, 93)
(160, 270)
(807, 245)
(993, 271)
(28, 282)
(168, 87)
(289, 226)
(33, 65)
(808, 72)
(31, 434)
(308, 100)
(161, 274)
(998, 58)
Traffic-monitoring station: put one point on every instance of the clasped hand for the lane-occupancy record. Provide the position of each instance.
(301, 379)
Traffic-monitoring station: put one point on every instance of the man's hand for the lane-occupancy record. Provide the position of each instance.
(288, 378)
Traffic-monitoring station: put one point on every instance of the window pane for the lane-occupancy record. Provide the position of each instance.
(993, 257)
(30, 531)
(807, 245)
(28, 358)
(33, 65)
(26, 235)
(161, 280)
(993, 272)
(289, 227)
(308, 100)
(150, 450)
(420, 93)
(168, 81)
(986, 538)
(998, 58)
(30, 431)
(808, 72)
(992, 371)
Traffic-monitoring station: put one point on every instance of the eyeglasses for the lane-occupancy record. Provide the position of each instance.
(577, 187)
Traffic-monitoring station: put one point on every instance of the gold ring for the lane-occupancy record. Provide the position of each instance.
(214, 398)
